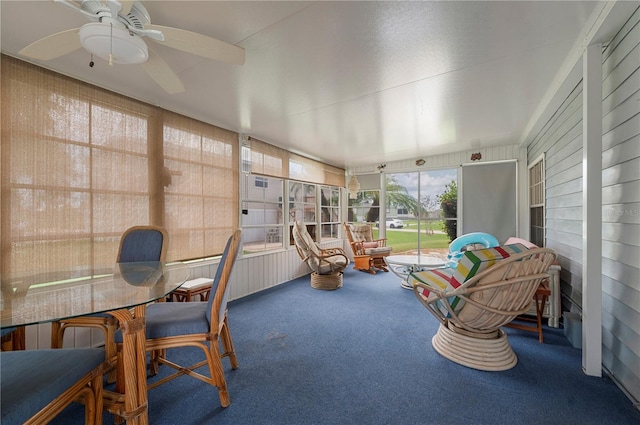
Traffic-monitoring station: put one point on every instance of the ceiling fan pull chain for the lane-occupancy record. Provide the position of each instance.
(111, 45)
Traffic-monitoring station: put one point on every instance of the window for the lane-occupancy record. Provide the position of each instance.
(302, 208)
(330, 212)
(261, 182)
(427, 202)
(80, 165)
(365, 207)
(536, 202)
(200, 181)
(311, 187)
(262, 213)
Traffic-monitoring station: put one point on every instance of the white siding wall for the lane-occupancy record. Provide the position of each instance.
(621, 206)
(561, 139)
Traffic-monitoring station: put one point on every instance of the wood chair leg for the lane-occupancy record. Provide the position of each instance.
(540, 304)
(227, 343)
(217, 373)
(111, 350)
(56, 335)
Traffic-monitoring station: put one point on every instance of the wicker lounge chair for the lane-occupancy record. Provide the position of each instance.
(487, 290)
(326, 264)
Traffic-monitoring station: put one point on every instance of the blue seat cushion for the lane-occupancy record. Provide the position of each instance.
(174, 318)
(141, 245)
(6, 331)
(32, 379)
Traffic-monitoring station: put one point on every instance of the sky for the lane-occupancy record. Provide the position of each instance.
(432, 183)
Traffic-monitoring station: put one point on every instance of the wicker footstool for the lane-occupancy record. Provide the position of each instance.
(326, 282)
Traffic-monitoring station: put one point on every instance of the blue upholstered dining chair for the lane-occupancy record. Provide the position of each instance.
(37, 385)
(6, 331)
(137, 244)
(195, 324)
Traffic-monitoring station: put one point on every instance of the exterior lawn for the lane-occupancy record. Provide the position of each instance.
(402, 240)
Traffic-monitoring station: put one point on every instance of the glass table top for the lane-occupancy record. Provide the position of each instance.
(37, 299)
(416, 260)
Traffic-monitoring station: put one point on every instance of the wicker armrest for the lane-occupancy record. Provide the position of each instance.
(334, 251)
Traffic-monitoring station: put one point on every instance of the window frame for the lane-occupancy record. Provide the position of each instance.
(264, 236)
(536, 200)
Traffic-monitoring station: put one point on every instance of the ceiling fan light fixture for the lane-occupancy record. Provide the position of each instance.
(104, 40)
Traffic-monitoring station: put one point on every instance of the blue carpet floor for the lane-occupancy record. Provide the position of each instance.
(363, 355)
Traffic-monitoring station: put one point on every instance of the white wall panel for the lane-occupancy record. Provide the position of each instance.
(561, 139)
(621, 207)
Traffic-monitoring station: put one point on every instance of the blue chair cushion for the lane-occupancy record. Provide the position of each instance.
(32, 379)
(141, 245)
(6, 331)
(174, 318)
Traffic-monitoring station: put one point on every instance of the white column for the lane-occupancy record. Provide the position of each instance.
(592, 210)
(382, 230)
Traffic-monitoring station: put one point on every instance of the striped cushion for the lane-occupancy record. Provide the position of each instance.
(437, 279)
(471, 263)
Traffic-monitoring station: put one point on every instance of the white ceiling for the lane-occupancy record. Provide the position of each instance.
(350, 83)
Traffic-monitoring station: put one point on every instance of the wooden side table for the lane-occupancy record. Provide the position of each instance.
(540, 297)
(185, 293)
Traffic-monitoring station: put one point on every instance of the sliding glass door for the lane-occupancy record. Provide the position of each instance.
(426, 204)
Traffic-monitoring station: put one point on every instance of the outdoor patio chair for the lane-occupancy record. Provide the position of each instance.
(487, 289)
(368, 253)
(326, 264)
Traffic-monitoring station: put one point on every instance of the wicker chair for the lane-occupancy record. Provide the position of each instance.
(326, 264)
(194, 324)
(138, 243)
(38, 384)
(368, 253)
(487, 290)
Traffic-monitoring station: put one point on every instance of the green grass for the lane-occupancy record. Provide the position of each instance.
(405, 241)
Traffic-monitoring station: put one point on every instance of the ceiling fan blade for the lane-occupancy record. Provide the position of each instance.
(126, 7)
(200, 45)
(53, 46)
(161, 73)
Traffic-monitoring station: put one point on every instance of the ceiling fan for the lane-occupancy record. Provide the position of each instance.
(116, 33)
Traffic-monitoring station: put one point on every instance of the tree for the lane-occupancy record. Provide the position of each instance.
(397, 196)
(449, 204)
